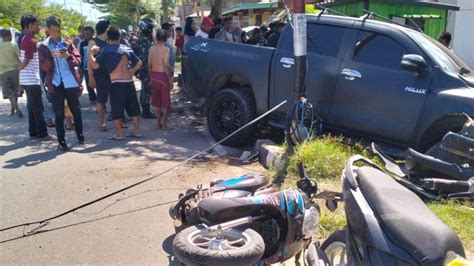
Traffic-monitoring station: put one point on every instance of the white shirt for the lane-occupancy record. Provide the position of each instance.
(202, 34)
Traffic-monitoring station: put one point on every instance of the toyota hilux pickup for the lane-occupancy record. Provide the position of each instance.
(365, 77)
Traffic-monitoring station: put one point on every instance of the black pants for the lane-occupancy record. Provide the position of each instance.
(34, 103)
(71, 96)
(90, 91)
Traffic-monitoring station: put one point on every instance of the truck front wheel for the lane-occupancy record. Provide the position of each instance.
(229, 110)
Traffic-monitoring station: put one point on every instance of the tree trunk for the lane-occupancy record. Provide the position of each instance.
(216, 8)
(137, 10)
(164, 6)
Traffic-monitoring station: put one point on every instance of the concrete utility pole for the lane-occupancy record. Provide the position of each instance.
(299, 48)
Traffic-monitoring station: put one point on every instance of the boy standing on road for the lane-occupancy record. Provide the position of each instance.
(161, 77)
(9, 64)
(58, 58)
(30, 80)
(122, 63)
(99, 78)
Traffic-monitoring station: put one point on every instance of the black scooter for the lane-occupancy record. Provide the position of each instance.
(246, 221)
(387, 224)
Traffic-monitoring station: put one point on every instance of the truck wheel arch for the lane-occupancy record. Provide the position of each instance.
(436, 130)
(227, 81)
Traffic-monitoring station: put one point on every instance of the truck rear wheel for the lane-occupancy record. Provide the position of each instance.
(229, 110)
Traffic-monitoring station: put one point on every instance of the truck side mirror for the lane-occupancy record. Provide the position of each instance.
(414, 62)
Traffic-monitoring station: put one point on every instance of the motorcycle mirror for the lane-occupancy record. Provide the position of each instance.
(331, 204)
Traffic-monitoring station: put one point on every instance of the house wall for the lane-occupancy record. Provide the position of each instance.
(460, 25)
(433, 27)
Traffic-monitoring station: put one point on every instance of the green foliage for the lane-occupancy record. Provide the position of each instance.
(460, 217)
(122, 13)
(326, 157)
(12, 10)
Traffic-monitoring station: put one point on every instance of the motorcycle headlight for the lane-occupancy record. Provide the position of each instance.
(310, 221)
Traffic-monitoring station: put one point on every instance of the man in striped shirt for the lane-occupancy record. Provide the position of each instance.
(30, 80)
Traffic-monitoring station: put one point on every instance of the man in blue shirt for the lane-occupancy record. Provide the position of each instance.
(58, 59)
(121, 63)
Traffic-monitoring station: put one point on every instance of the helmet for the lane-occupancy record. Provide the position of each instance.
(146, 26)
(123, 32)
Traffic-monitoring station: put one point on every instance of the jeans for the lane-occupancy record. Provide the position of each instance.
(71, 96)
(34, 103)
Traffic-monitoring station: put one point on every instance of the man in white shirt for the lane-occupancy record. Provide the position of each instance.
(206, 26)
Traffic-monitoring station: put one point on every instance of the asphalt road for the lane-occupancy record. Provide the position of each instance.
(133, 227)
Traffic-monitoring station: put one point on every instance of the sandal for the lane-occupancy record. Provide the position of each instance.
(114, 138)
(70, 128)
(131, 135)
(104, 128)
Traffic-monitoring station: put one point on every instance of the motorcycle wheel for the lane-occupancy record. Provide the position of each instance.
(336, 249)
(196, 245)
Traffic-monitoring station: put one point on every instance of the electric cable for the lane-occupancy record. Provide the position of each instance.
(45, 222)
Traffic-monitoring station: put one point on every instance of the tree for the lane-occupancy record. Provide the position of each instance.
(122, 13)
(12, 10)
(216, 8)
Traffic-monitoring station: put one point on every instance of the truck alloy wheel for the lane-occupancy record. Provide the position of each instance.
(229, 110)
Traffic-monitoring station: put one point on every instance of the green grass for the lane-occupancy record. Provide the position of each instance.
(325, 159)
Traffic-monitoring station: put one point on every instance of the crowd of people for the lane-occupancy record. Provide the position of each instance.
(107, 58)
(223, 29)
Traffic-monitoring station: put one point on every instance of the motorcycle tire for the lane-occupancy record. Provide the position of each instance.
(334, 243)
(186, 250)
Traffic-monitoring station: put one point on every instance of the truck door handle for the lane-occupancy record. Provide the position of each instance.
(351, 74)
(287, 62)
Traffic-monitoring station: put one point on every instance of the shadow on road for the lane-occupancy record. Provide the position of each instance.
(168, 248)
(32, 159)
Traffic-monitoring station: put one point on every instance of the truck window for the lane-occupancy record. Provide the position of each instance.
(322, 39)
(377, 49)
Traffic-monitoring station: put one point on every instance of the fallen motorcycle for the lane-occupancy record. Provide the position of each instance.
(387, 224)
(246, 221)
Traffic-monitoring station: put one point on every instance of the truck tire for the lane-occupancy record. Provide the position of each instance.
(186, 250)
(229, 110)
(335, 248)
(435, 133)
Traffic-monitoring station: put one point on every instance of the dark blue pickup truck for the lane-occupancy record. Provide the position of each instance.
(365, 77)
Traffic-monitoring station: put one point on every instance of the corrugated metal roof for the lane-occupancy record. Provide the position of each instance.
(413, 2)
(249, 6)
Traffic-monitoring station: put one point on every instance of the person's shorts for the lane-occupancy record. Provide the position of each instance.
(160, 90)
(103, 89)
(123, 96)
(10, 82)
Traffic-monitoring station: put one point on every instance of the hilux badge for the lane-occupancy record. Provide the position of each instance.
(415, 90)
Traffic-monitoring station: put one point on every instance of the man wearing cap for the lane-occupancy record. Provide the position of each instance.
(206, 26)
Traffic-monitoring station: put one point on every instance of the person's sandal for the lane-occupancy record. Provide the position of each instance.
(114, 138)
(103, 129)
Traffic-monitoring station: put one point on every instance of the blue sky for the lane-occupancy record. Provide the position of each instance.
(88, 10)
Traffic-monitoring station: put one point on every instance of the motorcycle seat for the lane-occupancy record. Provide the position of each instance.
(419, 164)
(406, 220)
(249, 182)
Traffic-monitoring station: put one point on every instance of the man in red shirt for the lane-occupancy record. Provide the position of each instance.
(30, 80)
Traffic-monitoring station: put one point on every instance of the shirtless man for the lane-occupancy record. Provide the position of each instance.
(121, 63)
(161, 74)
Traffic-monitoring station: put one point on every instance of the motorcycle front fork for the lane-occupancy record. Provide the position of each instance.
(235, 223)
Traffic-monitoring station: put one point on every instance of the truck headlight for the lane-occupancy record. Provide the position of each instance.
(310, 221)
